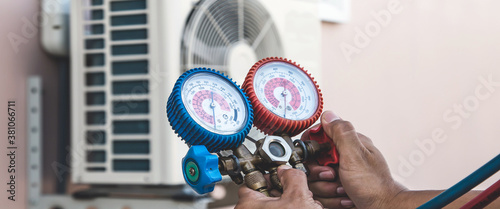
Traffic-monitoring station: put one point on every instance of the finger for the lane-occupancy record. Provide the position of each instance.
(268, 180)
(320, 173)
(344, 136)
(319, 203)
(245, 192)
(249, 198)
(342, 132)
(327, 189)
(294, 182)
(275, 193)
(341, 202)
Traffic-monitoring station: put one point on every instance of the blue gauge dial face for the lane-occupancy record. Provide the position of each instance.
(214, 103)
(286, 91)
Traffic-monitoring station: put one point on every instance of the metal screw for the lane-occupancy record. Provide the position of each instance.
(191, 171)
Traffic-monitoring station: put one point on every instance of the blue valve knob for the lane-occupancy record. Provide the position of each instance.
(201, 169)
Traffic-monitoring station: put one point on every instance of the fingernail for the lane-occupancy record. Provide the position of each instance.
(326, 175)
(282, 169)
(285, 167)
(346, 203)
(329, 116)
(340, 190)
(315, 128)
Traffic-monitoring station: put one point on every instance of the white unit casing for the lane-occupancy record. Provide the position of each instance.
(299, 27)
(338, 11)
(125, 58)
(54, 34)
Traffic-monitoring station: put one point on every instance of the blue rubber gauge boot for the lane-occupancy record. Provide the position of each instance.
(207, 108)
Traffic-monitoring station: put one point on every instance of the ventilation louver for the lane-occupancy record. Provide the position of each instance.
(223, 34)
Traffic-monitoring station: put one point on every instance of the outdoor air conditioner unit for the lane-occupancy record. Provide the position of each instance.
(127, 55)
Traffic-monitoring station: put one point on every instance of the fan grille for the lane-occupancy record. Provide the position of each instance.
(216, 26)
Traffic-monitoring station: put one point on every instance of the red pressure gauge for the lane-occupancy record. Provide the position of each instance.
(285, 98)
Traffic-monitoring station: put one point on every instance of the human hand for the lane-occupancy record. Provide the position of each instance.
(363, 172)
(326, 188)
(296, 194)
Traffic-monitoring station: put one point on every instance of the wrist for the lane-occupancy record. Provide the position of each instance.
(400, 200)
(397, 198)
(409, 199)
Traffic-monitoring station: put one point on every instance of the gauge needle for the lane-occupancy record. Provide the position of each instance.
(284, 95)
(212, 105)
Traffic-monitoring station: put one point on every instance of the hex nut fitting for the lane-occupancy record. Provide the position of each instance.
(268, 156)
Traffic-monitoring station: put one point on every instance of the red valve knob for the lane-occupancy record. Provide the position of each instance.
(329, 158)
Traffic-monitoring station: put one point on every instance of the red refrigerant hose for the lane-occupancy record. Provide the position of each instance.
(484, 198)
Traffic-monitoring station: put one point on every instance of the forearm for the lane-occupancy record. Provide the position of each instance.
(413, 199)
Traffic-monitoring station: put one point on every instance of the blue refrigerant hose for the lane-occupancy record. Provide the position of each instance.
(464, 186)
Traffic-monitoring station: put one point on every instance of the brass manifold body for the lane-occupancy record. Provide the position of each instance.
(272, 151)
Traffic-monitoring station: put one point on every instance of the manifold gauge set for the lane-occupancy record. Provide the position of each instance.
(211, 113)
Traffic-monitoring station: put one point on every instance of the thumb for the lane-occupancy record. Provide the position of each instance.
(343, 134)
(294, 182)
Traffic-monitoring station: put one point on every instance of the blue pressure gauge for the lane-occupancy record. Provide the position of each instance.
(210, 113)
(207, 108)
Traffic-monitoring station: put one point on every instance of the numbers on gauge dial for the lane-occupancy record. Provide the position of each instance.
(286, 91)
(214, 103)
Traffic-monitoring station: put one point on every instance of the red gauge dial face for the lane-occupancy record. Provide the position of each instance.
(286, 91)
(281, 88)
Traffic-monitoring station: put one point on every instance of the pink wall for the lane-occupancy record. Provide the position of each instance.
(17, 16)
(408, 71)
(396, 88)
